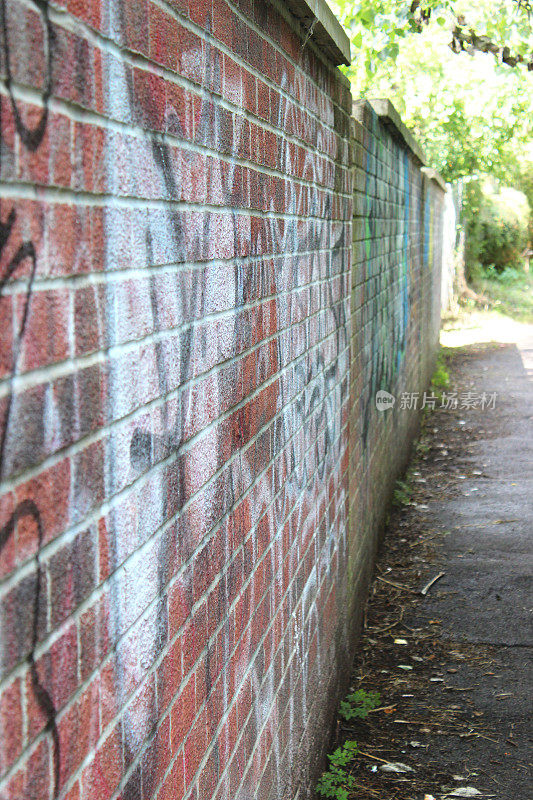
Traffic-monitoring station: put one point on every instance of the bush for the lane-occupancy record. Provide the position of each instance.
(496, 221)
(525, 184)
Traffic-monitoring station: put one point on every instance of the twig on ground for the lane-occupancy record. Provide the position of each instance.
(428, 586)
(396, 585)
(423, 541)
(388, 627)
(367, 755)
(367, 790)
(382, 708)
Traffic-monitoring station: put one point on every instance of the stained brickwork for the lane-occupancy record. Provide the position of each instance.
(395, 319)
(186, 373)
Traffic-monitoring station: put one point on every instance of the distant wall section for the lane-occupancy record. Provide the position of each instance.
(395, 314)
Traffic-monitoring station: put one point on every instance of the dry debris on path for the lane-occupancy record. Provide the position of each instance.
(453, 666)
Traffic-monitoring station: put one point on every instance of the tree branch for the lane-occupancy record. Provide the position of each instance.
(467, 40)
(470, 41)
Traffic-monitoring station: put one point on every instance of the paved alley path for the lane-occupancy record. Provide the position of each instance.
(486, 595)
(453, 668)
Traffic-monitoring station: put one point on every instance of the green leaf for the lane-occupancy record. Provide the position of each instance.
(367, 17)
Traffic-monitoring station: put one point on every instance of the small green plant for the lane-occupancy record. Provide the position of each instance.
(336, 783)
(439, 381)
(358, 704)
(441, 376)
(422, 447)
(402, 494)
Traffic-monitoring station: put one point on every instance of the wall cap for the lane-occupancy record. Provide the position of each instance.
(433, 175)
(388, 114)
(326, 31)
(392, 120)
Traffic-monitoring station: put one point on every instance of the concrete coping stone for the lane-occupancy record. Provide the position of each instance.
(323, 27)
(392, 120)
(433, 175)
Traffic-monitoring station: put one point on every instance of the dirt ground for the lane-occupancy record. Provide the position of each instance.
(453, 667)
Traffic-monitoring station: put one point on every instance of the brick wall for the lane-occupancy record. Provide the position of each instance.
(186, 394)
(395, 316)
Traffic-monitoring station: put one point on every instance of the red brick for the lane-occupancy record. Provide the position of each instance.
(78, 729)
(46, 331)
(86, 10)
(134, 28)
(59, 132)
(33, 164)
(182, 715)
(173, 787)
(36, 782)
(101, 777)
(156, 758)
(11, 724)
(83, 145)
(9, 135)
(163, 37)
(195, 747)
(72, 571)
(207, 312)
(57, 673)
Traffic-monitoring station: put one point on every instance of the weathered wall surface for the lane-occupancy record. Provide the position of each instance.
(395, 315)
(175, 328)
(187, 370)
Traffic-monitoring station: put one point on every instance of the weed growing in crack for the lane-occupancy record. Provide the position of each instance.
(337, 782)
(440, 379)
(402, 494)
(358, 704)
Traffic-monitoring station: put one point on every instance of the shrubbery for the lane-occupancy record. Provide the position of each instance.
(496, 222)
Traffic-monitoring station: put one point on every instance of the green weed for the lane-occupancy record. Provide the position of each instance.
(336, 783)
(439, 381)
(441, 376)
(402, 494)
(358, 704)
(422, 448)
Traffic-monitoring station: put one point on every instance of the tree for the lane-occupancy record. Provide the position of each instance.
(471, 113)
(502, 29)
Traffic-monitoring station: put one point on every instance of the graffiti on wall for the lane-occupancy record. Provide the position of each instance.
(11, 259)
(269, 463)
(386, 340)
